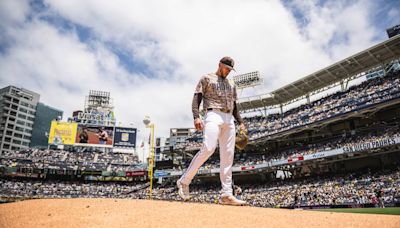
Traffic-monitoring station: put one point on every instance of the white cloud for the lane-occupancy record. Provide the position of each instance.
(394, 15)
(340, 28)
(177, 41)
(13, 12)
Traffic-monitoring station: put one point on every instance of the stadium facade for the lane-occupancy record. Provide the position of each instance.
(357, 127)
(340, 149)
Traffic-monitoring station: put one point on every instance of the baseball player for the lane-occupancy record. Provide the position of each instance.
(218, 94)
(103, 136)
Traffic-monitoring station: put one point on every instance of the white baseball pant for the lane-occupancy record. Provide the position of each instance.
(218, 126)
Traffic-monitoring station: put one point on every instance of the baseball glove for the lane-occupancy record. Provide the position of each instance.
(241, 139)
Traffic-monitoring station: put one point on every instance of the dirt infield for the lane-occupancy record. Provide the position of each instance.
(144, 213)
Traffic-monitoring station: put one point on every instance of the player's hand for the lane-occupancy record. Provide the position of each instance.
(198, 124)
(242, 127)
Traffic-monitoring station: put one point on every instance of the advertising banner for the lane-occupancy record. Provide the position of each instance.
(62, 133)
(125, 137)
(371, 145)
(111, 178)
(323, 154)
(135, 173)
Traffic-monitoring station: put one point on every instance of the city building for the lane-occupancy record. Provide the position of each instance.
(41, 127)
(17, 116)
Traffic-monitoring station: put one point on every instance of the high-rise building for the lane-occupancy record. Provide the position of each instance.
(162, 144)
(17, 115)
(179, 135)
(41, 127)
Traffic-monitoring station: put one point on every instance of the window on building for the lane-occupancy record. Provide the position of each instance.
(6, 146)
(20, 122)
(19, 129)
(18, 135)
(27, 137)
(24, 104)
(15, 141)
(23, 110)
(22, 116)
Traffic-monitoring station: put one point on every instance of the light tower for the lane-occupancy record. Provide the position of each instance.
(247, 80)
(148, 124)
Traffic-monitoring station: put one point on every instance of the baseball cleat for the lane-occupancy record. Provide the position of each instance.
(231, 200)
(183, 190)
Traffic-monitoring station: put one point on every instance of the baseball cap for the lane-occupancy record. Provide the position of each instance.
(228, 61)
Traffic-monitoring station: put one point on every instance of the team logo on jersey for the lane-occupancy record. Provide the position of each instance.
(221, 86)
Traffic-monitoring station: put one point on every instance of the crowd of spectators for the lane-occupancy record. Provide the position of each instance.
(367, 93)
(61, 159)
(307, 149)
(340, 190)
(348, 189)
(67, 189)
(345, 189)
(356, 97)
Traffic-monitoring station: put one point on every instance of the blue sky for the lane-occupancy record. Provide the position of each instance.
(150, 54)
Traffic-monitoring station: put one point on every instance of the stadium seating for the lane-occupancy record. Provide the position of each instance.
(346, 189)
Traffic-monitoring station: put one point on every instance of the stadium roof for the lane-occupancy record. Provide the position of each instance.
(377, 55)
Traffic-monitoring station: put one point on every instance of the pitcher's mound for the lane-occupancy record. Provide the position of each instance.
(145, 213)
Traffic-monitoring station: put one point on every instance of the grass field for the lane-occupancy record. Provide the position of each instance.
(386, 211)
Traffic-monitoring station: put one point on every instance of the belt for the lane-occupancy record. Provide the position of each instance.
(219, 109)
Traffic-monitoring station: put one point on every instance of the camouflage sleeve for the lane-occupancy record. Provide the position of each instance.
(236, 113)
(201, 86)
(196, 104)
(234, 93)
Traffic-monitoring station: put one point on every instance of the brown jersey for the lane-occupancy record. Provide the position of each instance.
(218, 92)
